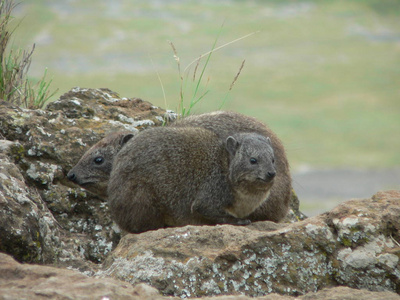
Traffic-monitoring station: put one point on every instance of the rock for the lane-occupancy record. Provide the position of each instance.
(28, 230)
(44, 217)
(39, 147)
(352, 252)
(340, 293)
(24, 281)
(356, 245)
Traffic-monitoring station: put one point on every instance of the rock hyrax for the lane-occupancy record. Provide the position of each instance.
(224, 124)
(179, 176)
(92, 171)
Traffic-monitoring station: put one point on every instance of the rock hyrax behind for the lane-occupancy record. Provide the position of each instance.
(179, 176)
(92, 172)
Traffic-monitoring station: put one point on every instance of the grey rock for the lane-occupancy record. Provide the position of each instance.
(26, 281)
(351, 252)
(356, 245)
(44, 217)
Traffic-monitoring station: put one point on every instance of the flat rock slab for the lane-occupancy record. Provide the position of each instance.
(356, 245)
(25, 281)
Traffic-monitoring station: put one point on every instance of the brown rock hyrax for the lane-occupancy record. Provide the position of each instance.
(92, 171)
(224, 124)
(179, 176)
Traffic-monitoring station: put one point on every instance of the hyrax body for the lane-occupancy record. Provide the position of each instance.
(224, 124)
(179, 176)
(92, 171)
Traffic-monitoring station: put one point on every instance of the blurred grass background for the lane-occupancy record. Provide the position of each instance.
(324, 75)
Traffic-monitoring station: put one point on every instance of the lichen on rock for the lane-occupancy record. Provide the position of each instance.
(46, 219)
(39, 148)
(293, 260)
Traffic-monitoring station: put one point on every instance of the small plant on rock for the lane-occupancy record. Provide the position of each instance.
(184, 108)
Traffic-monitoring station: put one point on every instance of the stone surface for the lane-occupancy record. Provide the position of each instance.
(352, 252)
(51, 220)
(26, 225)
(23, 281)
(356, 245)
(26, 281)
(43, 217)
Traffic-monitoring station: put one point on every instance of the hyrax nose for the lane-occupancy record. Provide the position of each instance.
(71, 176)
(271, 174)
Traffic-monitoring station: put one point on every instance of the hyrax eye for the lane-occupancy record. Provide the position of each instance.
(98, 160)
(253, 161)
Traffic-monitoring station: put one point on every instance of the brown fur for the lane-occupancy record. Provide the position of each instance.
(179, 176)
(225, 124)
(94, 175)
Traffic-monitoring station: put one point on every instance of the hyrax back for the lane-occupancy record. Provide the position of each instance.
(94, 176)
(92, 171)
(179, 176)
(225, 124)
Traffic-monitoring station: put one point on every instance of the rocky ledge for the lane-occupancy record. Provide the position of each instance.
(355, 245)
(43, 217)
(351, 252)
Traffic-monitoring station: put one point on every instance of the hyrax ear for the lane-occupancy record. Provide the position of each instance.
(232, 145)
(125, 138)
(269, 141)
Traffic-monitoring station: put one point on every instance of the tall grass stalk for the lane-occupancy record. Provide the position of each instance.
(197, 95)
(38, 95)
(232, 84)
(15, 87)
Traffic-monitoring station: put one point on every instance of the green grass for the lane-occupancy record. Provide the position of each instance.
(323, 74)
(15, 86)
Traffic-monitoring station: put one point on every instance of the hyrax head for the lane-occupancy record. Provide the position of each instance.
(92, 172)
(252, 161)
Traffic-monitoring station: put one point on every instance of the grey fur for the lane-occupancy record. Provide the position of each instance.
(224, 124)
(92, 175)
(179, 176)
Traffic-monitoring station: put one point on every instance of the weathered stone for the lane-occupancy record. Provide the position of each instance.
(294, 214)
(45, 144)
(354, 245)
(46, 219)
(27, 227)
(24, 281)
(341, 293)
(40, 147)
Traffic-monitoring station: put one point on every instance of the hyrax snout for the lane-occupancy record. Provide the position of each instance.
(92, 171)
(179, 176)
(250, 162)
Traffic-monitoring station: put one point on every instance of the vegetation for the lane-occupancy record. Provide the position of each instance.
(197, 95)
(323, 74)
(15, 87)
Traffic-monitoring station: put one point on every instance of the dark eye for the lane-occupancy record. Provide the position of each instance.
(253, 161)
(98, 160)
